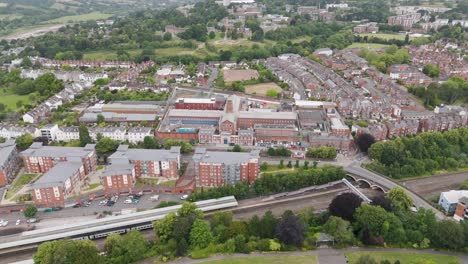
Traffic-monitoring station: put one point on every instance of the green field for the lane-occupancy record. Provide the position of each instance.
(11, 100)
(268, 260)
(404, 258)
(78, 18)
(112, 55)
(384, 36)
(367, 45)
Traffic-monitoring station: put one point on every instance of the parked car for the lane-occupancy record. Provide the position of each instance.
(18, 222)
(103, 202)
(184, 197)
(56, 208)
(128, 201)
(4, 223)
(77, 205)
(110, 203)
(135, 201)
(31, 220)
(154, 198)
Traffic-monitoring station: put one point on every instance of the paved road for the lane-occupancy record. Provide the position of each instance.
(418, 201)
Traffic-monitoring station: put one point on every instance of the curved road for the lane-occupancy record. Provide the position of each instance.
(418, 201)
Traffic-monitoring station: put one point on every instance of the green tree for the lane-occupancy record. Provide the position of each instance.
(100, 119)
(431, 70)
(200, 235)
(83, 132)
(128, 248)
(377, 222)
(399, 198)
(165, 227)
(447, 234)
(24, 141)
(167, 36)
(106, 145)
(264, 167)
(30, 211)
(67, 251)
(212, 35)
(339, 229)
(149, 142)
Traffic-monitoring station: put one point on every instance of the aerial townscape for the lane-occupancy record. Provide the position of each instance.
(234, 131)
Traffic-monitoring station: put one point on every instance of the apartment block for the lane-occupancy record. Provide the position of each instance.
(214, 169)
(118, 178)
(40, 159)
(57, 183)
(149, 163)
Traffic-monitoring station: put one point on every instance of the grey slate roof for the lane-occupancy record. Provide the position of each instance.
(5, 150)
(57, 175)
(118, 169)
(38, 150)
(202, 155)
(123, 153)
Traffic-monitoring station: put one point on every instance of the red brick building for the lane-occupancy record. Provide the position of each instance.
(40, 159)
(199, 103)
(149, 163)
(221, 168)
(118, 178)
(57, 183)
(247, 119)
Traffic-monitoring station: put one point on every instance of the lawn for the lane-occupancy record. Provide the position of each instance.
(384, 36)
(267, 260)
(92, 186)
(11, 100)
(112, 55)
(404, 258)
(262, 88)
(22, 180)
(168, 183)
(78, 18)
(367, 45)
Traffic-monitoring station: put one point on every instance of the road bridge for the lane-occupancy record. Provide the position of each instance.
(379, 180)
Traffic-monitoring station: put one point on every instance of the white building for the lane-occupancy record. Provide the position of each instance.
(50, 132)
(448, 200)
(138, 134)
(67, 134)
(114, 133)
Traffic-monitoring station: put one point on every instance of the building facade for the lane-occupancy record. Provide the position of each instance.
(9, 162)
(214, 169)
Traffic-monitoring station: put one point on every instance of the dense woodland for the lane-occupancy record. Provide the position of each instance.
(419, 155)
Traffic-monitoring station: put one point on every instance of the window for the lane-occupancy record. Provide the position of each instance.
(109, 181)
(125, 179)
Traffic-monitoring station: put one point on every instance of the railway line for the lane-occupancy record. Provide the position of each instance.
(103, 227)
